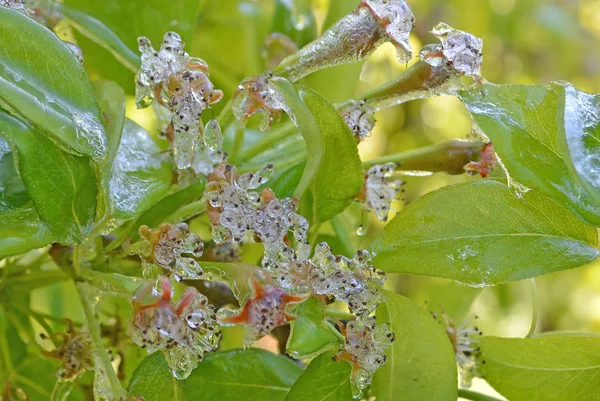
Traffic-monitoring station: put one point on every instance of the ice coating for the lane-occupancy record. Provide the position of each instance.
(263, 312)
(353, 281)
(378, 193)
(235, 208)
(353, 38)
(462, 50)
(213, 138)
(465, 342)
(173, 249)
(185, 331)
(76, 51)
(360, 117)
(258, 95)
(180, 84)
(364, 348)
(18, 5)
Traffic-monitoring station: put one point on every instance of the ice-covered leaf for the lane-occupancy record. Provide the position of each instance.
(41, 79)
(62, 186)
(253, 375)
(553, 368)
(420, 363)
(483, 234)
(141, 173)
(310, 334)
(323, 379)
(333, 175)
(547, 137)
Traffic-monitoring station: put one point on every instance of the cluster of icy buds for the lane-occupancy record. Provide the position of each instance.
(262, 312)
(364, 348)
(378, 193)
(464, 339)
(185, 331)
(75, 353)
(173, 249)
(354, 37)
(235, 208)
(360, 117)
(487, 164)
(258, 95)
(180, 83)
(353, 281)
(461, 50)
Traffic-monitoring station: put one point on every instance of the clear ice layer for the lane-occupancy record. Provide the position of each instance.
(360, 117)
(379, 192)
(462, 50)
(258, 95)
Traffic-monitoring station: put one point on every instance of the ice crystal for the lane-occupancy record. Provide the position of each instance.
(378, 193)
(258, 95)
(180, 84)
(262, 312)
(364, 348)
(465, 339)
(462, 50)
(360, 117)
(185, 332)
(173, 248)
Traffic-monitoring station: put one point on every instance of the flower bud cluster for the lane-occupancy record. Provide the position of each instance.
(364, 348)
(179, 83)
(171, 248)
(258, 95)
(185, 332)
(74, 353)
(465, 339)
(235, 208)
(378, 193)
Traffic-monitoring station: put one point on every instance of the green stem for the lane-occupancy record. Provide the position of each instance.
(94, 328)
(268, 141)
(238, 143)
(226, 116)
(337, 314)
(449, 156)
(534, 313)
(335, 331)
(473, 396)
(286, 162)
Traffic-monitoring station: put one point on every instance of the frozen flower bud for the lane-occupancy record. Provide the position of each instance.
(265, 310)
(353, 38)
(258, 95)
(378, 193)
(465, 339)
(487, 164)
(18, 5)
(462, 50)
(173, 248)
(276, 48)
(74, 353)
(185, 332)
(364, 348)
(360, 117)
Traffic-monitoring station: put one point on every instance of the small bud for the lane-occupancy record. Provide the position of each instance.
(487, 164)
(75, 353)
(462, 50)
(258, 95)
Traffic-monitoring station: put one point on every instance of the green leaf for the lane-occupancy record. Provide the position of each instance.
(251, 375)
(20, 225)
(61, 185)
(420, 363)
(111, 100)
(141, 173)
(483, 234)
(296, 20)
(333, 175)
(527, 126)
(41, 79)
(323, 380)
(285, 184)
(557, 368)
(310, 334)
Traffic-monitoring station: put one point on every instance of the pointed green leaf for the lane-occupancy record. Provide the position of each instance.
(532, 127)
(557, 368)
(153, 380)
(333, 175)
(323, 380)
(309, 334)
(41, 79)
(61, 185)
(483, 234)
(420, 363)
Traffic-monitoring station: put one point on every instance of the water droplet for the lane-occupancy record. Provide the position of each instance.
(361, 230)
(213, 138)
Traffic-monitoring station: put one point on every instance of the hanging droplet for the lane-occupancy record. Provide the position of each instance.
(213, 138)
(361, 230)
